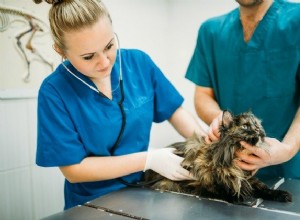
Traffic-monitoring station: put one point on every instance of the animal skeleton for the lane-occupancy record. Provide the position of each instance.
(34, 24)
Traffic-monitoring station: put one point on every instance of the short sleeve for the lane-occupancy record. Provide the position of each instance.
(198, 70)
(58, 143)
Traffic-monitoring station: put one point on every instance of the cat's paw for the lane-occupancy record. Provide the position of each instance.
(284, 196)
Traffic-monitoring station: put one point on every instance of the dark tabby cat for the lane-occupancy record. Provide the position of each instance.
(213, 165)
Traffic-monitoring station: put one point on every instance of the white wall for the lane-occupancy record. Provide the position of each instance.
(165, 29)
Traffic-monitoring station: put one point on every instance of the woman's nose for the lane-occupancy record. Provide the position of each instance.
(103, 61)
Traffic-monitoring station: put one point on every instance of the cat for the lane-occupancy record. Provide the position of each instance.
(212, 164)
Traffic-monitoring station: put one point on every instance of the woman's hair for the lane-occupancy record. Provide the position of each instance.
(70, 15)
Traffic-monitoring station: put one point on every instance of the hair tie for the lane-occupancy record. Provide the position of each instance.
(53, 2)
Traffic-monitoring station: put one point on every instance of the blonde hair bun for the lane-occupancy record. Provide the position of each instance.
(48, 1)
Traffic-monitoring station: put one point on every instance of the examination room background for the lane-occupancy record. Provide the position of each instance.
(165, 29)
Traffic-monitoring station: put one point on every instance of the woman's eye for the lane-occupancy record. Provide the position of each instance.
(109, 46)
(88, 57)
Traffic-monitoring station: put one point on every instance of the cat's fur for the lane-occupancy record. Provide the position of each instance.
(213, 165)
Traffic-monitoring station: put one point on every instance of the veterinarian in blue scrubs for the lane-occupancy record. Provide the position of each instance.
(248, 59)
(96, 109)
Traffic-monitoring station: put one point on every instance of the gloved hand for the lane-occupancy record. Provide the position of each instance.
(167, 164)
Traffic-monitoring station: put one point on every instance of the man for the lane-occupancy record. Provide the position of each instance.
(248, 59)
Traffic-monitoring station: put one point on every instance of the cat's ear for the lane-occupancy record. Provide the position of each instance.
(227, 118)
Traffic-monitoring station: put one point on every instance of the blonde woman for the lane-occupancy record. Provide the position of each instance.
(96, 109)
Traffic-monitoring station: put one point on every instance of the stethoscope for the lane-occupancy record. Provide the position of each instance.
(120, 103)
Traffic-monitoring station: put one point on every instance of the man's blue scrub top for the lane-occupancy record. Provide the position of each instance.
(262, 75)
(75, 122)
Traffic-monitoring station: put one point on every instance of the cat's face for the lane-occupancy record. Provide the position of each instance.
(244, 127)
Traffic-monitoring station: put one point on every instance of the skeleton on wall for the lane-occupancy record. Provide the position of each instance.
(34, 25)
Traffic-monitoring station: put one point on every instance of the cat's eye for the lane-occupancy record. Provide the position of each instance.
(245, 127)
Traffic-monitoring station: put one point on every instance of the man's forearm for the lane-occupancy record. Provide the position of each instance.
(206, 107)
(292, 137)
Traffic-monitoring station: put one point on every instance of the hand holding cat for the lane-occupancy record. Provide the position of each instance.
(167, 164)
(255, 157)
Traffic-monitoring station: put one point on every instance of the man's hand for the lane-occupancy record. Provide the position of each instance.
(255, 157)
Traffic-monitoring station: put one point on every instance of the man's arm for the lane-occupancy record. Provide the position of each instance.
(292, 137)
(209, 111)
(206, 106)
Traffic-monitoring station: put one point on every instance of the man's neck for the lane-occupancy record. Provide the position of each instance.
(256, 12)
(251, 16)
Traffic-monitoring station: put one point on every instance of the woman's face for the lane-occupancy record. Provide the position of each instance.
(92, 50)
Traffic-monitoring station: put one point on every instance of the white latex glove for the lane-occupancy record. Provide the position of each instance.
(167, 164)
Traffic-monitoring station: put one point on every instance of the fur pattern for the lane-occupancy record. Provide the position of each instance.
(213, 165)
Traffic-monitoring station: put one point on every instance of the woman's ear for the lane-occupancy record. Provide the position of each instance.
(58, 50)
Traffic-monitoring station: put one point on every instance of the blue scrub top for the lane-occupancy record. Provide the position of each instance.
(262, 75)
(75, 122)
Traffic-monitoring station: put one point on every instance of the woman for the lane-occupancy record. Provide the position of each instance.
(96, 109)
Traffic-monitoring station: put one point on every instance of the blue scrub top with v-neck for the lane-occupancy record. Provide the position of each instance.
(262, 75)
(75, 122)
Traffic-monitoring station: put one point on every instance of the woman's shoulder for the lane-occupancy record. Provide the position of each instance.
(56, 79)
(136, 57)
(133, 53)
